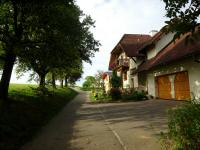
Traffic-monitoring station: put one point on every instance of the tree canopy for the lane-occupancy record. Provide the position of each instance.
(43, 36)
(183, 17)
(89, 82)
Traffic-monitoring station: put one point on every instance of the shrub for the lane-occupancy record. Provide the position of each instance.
(136, 96)
(184, 128)
(116, 81)
(115, 93)
(99, 97)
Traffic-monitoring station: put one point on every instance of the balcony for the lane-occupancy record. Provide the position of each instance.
(123, 63)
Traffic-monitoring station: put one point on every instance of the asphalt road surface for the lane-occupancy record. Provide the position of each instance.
(113, 126)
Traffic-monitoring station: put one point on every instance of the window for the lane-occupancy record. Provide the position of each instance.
(125, 76)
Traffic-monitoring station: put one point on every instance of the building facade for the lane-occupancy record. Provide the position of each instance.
(125, 58)
(164, 68)
(106, 81)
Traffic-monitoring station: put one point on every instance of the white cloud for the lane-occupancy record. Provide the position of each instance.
(117, 17)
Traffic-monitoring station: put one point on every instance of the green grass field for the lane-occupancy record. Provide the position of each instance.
(27, 112)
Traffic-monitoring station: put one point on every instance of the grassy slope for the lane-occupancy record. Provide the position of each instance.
(27, 112)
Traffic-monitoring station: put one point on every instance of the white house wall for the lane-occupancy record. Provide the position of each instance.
(151, 84)
(151, 53)
(135, 80)
(122, 55)
(130, 82)
(139, 62)
(132, 64)
(189, 65)
(166, 39)
(107, 85)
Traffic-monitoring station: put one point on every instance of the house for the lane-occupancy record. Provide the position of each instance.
(171, 68)
(106, 81)
(164, 68)
(124, 56)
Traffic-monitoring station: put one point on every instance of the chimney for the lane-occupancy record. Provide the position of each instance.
(153, 32)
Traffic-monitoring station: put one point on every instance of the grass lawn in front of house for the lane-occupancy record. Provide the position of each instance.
(27, 112)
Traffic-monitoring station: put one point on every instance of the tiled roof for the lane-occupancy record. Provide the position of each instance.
(130, 44)
(109, 73)
(173, 52)
(131, 50)
(153, 40)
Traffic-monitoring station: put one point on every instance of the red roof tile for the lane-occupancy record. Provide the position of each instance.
(131, 50)
(130, 44)
(105, 74)
(174, 51)
(153, 40)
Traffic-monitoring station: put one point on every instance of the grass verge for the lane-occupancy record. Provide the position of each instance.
(27, 112)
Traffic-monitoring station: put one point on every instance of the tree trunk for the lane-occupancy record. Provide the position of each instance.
(66, 82)
(6, 76)
(53, 81)
(61, 83)
(42, 80)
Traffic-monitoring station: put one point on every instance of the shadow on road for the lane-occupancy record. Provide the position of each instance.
(146, 115)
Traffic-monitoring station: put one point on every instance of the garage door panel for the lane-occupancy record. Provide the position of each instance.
(181, 86)
(164, 87)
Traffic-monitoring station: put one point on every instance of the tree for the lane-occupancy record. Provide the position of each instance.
(60, 47)
(89, 82)
(98, 79)
(16, 16)
(11, 29)
(54, 50)
(183, 17)
(43, 35)
(74, 75)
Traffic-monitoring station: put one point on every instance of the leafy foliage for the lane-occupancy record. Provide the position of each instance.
(60, 47)
(89, 83)
(184, 128)
(100, 97)
(115, 93)
(98, 80)
(135, 96)
(116, 81)
(183, 17)
(43, 35)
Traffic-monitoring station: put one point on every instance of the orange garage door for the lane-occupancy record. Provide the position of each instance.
(181, 86)
(164, 87)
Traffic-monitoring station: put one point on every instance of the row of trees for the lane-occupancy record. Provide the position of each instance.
(46, 37)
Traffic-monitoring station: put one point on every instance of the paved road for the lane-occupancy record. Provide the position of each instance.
(114, 126)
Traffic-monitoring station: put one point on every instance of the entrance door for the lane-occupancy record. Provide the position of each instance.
(164, 87)
(181, 86)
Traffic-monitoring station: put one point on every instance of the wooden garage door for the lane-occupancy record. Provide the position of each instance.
(164, 87)
(181, 86)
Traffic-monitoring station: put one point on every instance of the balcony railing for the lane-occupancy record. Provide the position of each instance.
(123, 62)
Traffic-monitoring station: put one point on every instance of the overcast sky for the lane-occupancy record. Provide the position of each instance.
(113, 19)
